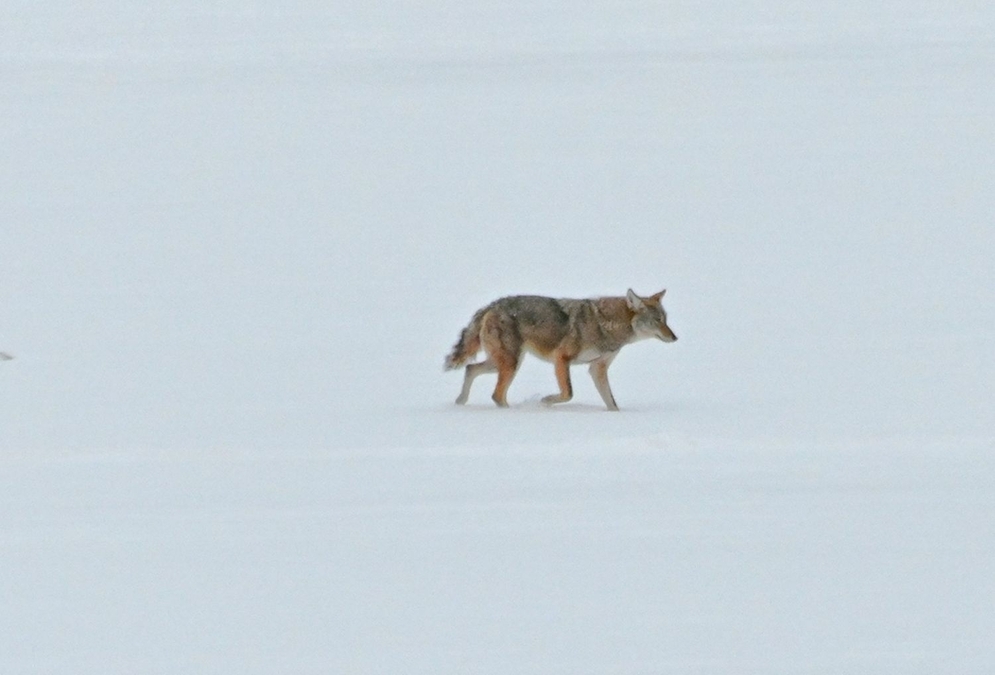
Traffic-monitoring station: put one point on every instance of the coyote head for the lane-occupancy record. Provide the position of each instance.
(649, 321)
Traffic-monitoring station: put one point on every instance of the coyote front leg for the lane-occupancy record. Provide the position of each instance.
(562, 364)
(599, 373)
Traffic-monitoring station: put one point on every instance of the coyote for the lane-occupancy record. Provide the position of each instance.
(563, 332)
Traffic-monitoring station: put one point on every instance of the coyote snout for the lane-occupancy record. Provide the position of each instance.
(561, 331)
(666, 334)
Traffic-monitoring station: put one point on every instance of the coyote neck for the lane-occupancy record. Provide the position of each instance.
(601, 325)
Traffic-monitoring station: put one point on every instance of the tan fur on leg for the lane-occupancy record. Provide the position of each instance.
(599, 373)
(562, 365)
(472, 371)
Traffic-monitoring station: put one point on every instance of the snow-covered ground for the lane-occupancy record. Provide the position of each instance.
(237, 239)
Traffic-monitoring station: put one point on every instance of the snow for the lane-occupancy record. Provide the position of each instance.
(239, 239)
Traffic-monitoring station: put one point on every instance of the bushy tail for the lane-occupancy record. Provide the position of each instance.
(468, 344)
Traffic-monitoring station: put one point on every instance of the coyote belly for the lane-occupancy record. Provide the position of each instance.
(561, 331)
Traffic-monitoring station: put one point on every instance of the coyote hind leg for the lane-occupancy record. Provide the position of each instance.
(471, 373)
(502, 342)
(507, 367)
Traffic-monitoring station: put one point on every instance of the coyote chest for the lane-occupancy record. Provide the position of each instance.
(590, 354)
(560, 331)
(585, 355)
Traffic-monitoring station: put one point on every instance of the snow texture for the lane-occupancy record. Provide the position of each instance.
(238, 239)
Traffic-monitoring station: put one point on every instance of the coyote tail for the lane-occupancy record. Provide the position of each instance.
(469, 342)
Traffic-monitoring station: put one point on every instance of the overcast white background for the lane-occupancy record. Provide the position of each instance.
(237, 240)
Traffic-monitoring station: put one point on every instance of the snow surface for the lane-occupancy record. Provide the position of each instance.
(238, 239)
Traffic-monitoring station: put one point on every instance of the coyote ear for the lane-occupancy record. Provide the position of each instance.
(656, 297)
(634, 302)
